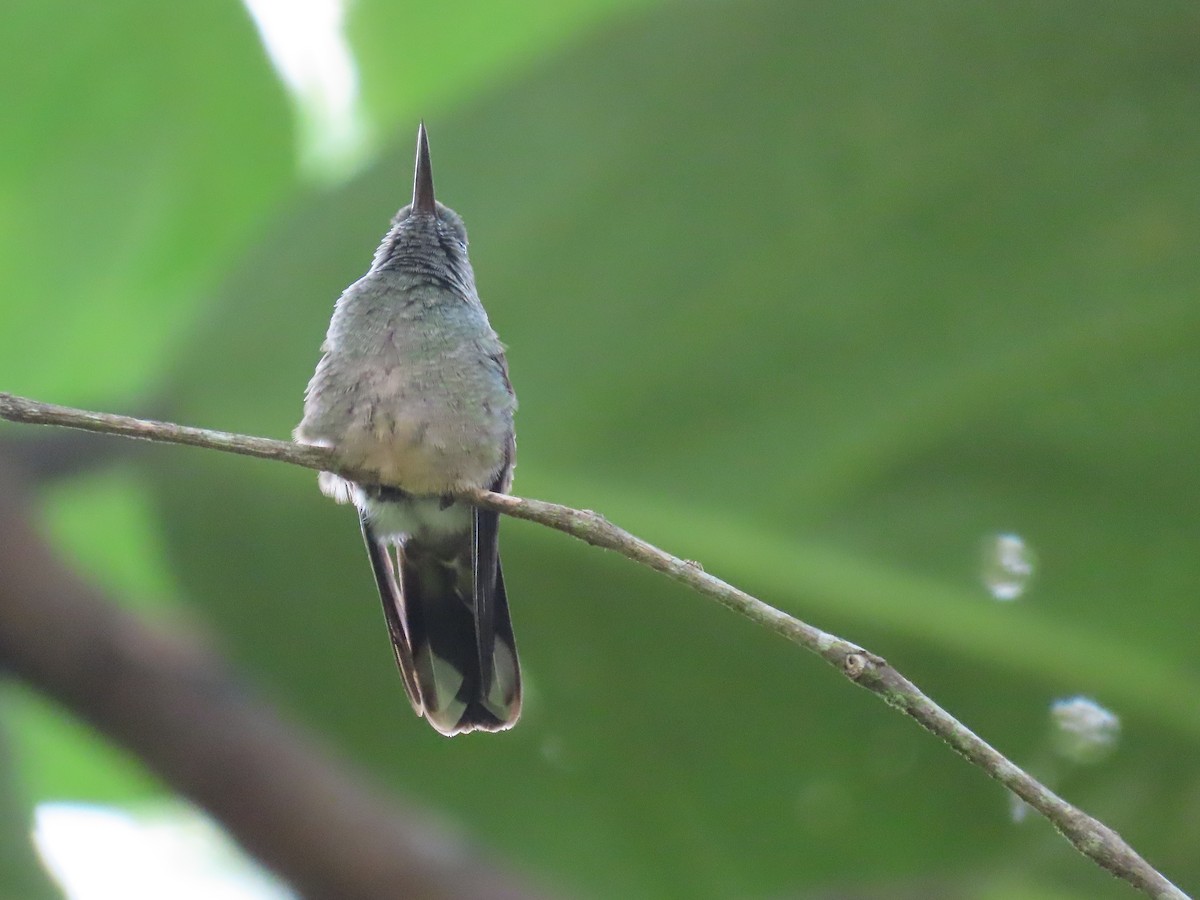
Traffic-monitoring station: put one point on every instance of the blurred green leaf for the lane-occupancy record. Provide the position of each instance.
(60, 758)
(125, 556)
(20, 874)
(430, 58)
(146, 144)
(143, 145)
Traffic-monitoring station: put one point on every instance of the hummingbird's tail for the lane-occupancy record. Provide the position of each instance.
(447, 615)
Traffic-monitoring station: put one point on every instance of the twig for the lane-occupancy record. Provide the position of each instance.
(1088, 835)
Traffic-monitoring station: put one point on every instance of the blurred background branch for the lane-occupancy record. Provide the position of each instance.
(1091, 837)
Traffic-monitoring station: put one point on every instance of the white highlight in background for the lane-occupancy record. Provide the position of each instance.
(1084, 731)
(1007, 566)
(104, 853)
(306, 42)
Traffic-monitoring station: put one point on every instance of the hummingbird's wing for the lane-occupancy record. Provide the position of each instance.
(439, 640)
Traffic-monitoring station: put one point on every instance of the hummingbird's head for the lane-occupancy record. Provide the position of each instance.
(425, 234)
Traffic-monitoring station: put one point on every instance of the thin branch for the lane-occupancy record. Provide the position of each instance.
(21, 409)
(1091, 837)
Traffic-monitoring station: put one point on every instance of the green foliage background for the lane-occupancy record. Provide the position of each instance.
(820, 294)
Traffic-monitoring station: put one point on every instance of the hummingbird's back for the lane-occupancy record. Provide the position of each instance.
(413, 385)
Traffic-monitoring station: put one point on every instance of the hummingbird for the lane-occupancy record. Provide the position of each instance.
(413, 388)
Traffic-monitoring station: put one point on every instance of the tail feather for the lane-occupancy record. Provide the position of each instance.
(453, 642)
(486, 584)
(384, 570)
